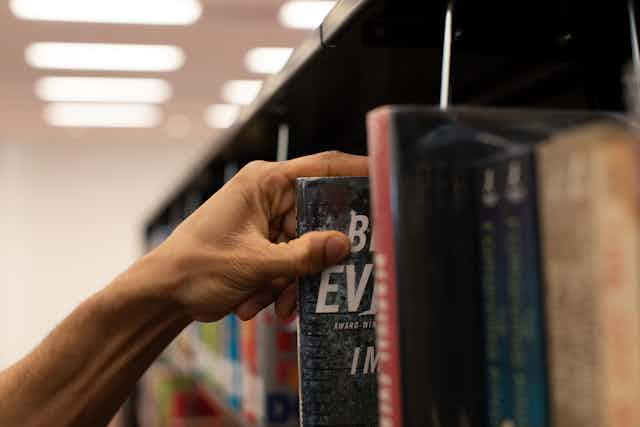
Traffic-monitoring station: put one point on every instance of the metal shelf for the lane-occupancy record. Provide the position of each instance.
(367, 53)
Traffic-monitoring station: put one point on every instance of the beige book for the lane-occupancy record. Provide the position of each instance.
(590, 227)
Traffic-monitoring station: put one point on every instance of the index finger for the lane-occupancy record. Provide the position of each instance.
(329, 163)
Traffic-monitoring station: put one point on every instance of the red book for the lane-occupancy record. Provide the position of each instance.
(387, 333)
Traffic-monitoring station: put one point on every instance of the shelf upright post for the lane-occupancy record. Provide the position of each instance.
(283, 143)
(635, 51)
(633, 73)
(445, 75)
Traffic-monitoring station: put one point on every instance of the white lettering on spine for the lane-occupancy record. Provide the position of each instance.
(356, 358)
(356, 288)
(326, 287)
(355, 293)
(372, 307)
(370, 360)
(383, 333)
(358, 231)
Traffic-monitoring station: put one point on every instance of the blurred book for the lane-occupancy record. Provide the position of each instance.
(462, 311)
(588, 181)
(270, 371)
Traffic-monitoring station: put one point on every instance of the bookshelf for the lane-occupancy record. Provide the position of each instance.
(374, 52)
(369, 53)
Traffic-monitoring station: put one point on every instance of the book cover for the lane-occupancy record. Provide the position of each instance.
(336, 328)
(590, 237)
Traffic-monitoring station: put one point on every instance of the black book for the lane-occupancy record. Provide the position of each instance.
(336, 331)
(452, 281)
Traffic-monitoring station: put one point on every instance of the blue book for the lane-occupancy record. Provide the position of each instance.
(233, 353)
(490, 179)
(519, 220)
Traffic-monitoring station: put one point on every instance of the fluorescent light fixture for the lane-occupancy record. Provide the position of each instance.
(241, 92)
(145, 12)
(102, 115)
(304, 14)
(267, 60)
(221, 116)
(102, 89)
(104, 57)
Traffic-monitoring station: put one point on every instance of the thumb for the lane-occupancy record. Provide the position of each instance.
(310, 253)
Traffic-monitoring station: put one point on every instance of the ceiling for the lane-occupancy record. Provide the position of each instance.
(214, 46)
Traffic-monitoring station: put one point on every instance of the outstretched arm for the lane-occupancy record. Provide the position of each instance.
(237, 253)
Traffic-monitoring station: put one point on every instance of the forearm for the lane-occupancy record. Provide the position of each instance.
(82, 372)
(221, 259)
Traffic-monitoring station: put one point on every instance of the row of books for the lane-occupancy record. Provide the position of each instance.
(505, 290)
(507, 281)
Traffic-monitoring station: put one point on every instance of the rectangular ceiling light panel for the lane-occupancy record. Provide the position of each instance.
(144, 12)
(241, 92)
(102, 115)
(103, 89)
(221, 116)
(304, 14)
(104, 57)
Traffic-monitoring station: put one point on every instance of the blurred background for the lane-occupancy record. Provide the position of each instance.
(104, 107)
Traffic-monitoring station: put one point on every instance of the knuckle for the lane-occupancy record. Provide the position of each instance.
(272, 180)
(331, 155)
(255, 166)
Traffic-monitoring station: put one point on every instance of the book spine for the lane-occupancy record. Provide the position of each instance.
(524, 291)
(490, 179)
(233, 352)
(301, 206)
(387, 331)
(253, 398)
(590, 242)
(564, 183)
(300, 396)
(437, 212)
(278, 369)
(465, 296)
(617, 230)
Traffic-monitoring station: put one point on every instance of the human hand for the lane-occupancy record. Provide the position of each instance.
(239, 251)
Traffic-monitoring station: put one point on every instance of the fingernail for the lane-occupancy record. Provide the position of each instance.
(336, 249)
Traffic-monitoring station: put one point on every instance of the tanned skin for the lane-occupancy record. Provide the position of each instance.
(237, 253)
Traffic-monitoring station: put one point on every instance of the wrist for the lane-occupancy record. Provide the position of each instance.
(149, 284)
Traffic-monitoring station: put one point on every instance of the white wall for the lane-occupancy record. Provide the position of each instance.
(71, 217)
